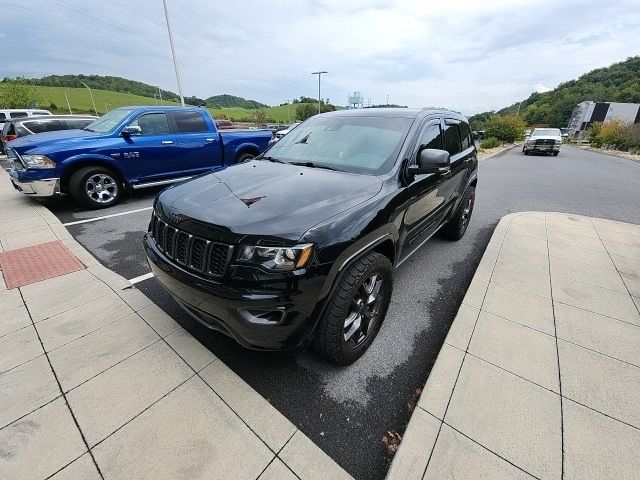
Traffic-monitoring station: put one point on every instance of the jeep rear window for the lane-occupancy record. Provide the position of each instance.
(350, 143)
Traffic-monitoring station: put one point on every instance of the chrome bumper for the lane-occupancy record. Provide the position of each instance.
(47, 187)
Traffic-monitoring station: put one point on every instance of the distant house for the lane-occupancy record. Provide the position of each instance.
(585, 113)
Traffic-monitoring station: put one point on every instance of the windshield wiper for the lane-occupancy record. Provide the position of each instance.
(316, 165)
(271, 159)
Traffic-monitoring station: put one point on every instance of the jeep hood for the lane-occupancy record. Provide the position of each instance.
(263, 200)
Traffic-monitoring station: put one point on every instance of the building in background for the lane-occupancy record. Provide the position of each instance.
(585, 113)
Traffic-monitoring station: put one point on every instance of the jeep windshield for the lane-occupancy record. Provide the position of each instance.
(108, 121)
(353, 144)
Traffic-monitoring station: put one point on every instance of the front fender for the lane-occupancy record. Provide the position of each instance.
(85, 159)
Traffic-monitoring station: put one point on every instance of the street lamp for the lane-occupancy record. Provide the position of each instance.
(319, 76)
(173, 51)
(91, 95)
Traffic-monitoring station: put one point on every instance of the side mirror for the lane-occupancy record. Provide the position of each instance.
(431, 160)
(131, 130)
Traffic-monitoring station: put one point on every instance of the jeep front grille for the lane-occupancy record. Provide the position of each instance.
(195, 253)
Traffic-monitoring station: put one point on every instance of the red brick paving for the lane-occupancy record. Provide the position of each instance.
(39, 262)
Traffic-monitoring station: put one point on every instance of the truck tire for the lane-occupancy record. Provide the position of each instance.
(457, 225)
(96, 187)
(555, 154)
(356, 309)
(244, 156)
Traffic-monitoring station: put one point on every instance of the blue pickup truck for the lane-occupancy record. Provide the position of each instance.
(126, 149)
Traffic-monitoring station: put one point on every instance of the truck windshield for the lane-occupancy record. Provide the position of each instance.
(349, 143)
(539, 132)
(108, 121)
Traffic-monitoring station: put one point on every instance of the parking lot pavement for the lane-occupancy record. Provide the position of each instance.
(347, 411)
(98, 382)
(539, 376)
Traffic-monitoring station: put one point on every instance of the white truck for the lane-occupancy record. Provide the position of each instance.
(545, 140)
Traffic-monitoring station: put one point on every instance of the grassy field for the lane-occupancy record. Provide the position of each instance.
(80, 102)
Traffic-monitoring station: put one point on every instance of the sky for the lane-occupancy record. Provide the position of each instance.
(469, 56)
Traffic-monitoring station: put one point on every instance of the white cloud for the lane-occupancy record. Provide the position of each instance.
(466, 55)
(540, 88)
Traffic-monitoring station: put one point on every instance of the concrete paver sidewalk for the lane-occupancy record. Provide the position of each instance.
(539, 376)
(97, 382)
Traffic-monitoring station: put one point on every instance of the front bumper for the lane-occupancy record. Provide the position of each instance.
(262, 319)
(542, 148)
(46, 187)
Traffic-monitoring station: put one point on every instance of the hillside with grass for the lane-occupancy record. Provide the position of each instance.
(53, 98)
(619, 82)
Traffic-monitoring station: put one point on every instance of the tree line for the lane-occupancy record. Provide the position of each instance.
(619, 82)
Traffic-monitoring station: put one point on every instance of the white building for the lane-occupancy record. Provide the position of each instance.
(585, 113)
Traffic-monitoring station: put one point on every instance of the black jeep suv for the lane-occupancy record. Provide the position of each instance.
(299, 245)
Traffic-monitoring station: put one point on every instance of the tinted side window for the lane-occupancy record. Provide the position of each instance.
(189, 122)
(452, 139)
(431, 137)
(18, 114)
(77, 123)
(39, 126)
(465, 134)
(152, 124)
(3, 116)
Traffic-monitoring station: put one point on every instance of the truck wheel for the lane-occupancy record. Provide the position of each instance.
(356, 309)
(243, 157)
(555, 154)
(526, 152)
(456, 226)
(96, 187)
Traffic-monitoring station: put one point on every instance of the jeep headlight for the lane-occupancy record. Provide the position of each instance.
(277, 258)
(37, 161)
(531, 141)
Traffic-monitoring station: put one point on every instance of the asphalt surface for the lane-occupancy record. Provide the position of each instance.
(347, 411)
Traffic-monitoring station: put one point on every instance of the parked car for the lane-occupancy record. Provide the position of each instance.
(9, 114)
(21, 127)
(281, 133)
(126, 149)
(546, 140)
(298, 246)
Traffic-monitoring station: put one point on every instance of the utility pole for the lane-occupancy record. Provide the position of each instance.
(518, 112)
(319, 73)
(160, 93)
(91, 95)
(387, 99)
(68, 104)
(173, 51)
(288, 116)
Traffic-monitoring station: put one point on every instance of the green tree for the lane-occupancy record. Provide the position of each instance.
(305, 110)
(260, 116)
(506, 128)
(17, 93)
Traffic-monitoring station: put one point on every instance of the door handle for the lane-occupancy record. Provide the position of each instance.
(209, 139)
(167, 142)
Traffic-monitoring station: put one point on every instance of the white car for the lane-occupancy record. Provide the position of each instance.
(543, 140)
(281, 133)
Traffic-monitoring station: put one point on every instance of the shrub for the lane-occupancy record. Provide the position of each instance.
(506, 128)
(615, 134)
(490, 142)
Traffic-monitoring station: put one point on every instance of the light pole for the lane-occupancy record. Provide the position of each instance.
(173, 51)
(288, 106)
(91, 95)
(319, 73)
(68, 104)
(160, 93)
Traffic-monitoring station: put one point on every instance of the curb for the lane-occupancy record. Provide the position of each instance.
(498, 153)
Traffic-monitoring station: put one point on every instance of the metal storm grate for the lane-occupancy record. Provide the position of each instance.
(195, 253)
